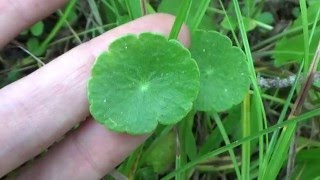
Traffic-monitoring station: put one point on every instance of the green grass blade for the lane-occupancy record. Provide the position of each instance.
(134, 8)
(183, 144)
(96, 14)
(314, 26)
(249, 4)
(246, 149)
(281, 146)
(274, 140)
(228, 20)
(203, 5)
(274, 38)
(105, 27)
(181, 17)
(281, 151)
(204, 158)
(179, 156)
(227, 142)
(256, 96)
(304, 15)
(75, 35)
(57, 27)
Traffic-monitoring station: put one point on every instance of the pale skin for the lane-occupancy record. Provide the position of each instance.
(40, 108)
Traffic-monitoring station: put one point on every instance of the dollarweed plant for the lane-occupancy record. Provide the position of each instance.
(241, 102)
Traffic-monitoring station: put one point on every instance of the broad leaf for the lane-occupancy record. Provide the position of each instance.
(162, 154)
(224, 74)
(307, 164)
(140, 81)
(37, 29)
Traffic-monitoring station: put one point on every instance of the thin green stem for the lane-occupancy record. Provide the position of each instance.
(304, 15)
(57, 27)
(227, 142)
(314, 26)
(70, 28)
(228, 20)
(181, 17)
(215, 10)
(203, 5)
(128, 8)
(82, 33)
(96, 14)
(179, 159)
(246, 131)
(261, 114)
(274, 38)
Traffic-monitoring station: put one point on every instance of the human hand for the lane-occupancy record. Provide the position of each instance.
(40, 108)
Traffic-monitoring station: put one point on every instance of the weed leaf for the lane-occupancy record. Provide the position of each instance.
(140, 81)
(224, 74)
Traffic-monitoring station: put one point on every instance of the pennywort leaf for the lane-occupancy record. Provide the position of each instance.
(142, 81)
(224, 74)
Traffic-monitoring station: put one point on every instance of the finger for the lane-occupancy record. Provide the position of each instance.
(47, 103)
(89, 153)
(17, 15)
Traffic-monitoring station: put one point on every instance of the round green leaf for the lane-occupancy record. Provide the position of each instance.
(33, 45)
(37, 29)
(224, 74)
(162, 154)
(140, 81)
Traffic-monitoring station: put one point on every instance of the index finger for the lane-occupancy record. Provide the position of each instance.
(47, 103)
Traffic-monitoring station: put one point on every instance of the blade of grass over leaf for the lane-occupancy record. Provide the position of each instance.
(304, 14)
(228, 20)
(249, 4)
(258, 8)
(203, 158)
(226, 139)
(246, 147)
(257, 96)
(134, 8)
(180, 19)
(203, 5)
(314, 26)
